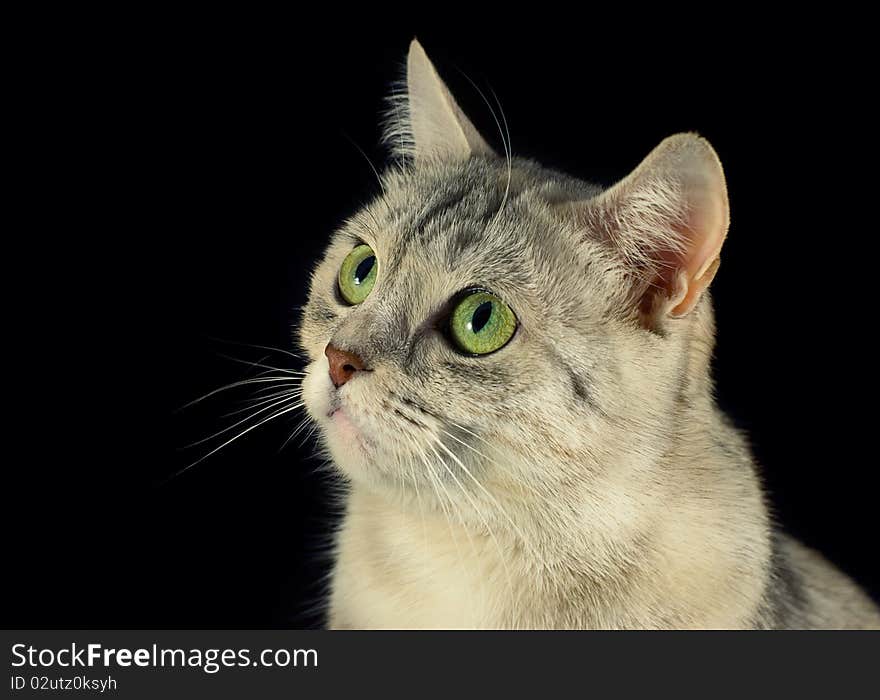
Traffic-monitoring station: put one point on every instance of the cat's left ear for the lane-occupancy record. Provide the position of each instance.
(424, 121)
(668, 220)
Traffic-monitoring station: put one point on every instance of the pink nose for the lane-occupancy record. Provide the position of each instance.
(343, 364)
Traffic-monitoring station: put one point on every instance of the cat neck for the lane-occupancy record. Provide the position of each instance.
(691, 551)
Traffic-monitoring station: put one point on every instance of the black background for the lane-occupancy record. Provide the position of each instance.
(187, 175)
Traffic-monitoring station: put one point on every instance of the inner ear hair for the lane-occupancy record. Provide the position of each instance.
(667, 220)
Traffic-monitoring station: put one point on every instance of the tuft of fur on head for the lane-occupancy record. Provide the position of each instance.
(396, 132)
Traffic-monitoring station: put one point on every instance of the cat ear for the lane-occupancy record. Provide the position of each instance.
(425, 122)
(668, 219)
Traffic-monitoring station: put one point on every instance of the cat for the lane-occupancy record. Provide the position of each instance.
(510, 368)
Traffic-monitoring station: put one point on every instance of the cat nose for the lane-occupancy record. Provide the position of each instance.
(343, 364)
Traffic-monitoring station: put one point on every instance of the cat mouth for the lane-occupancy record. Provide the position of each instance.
(334, 406)
(345, 428)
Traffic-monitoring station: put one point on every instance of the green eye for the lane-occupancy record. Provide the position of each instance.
(481, 323)
(358, 274)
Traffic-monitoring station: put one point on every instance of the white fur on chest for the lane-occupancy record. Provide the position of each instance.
(399, 570)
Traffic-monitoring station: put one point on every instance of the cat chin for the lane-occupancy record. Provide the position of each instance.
(356, 438)
(343, 438)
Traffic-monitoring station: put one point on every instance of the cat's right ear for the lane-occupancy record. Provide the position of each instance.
(424, 121)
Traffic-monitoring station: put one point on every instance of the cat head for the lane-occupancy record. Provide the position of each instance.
(489, 329)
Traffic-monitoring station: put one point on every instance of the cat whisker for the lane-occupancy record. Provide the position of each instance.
(446, 515)
(517, 481)
(303, 424)
(262, 401)
(479, 513)
(294, 355)
(415, 481)
(260, 364)
(495, 501)
(509, 149)
(464, 528)
(467, 534)
(433, 481)
(505, 141)
(250, 417)
(244, 432)
(488, 444)
(234, 385)
(261, 394)
(369, 162)
(491, 110)
(470, 432)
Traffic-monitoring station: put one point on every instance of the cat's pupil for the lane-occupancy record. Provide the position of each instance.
(363, 269)
(481, 316)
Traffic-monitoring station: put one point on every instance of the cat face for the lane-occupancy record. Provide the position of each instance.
(490, 329)
(425, 391)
